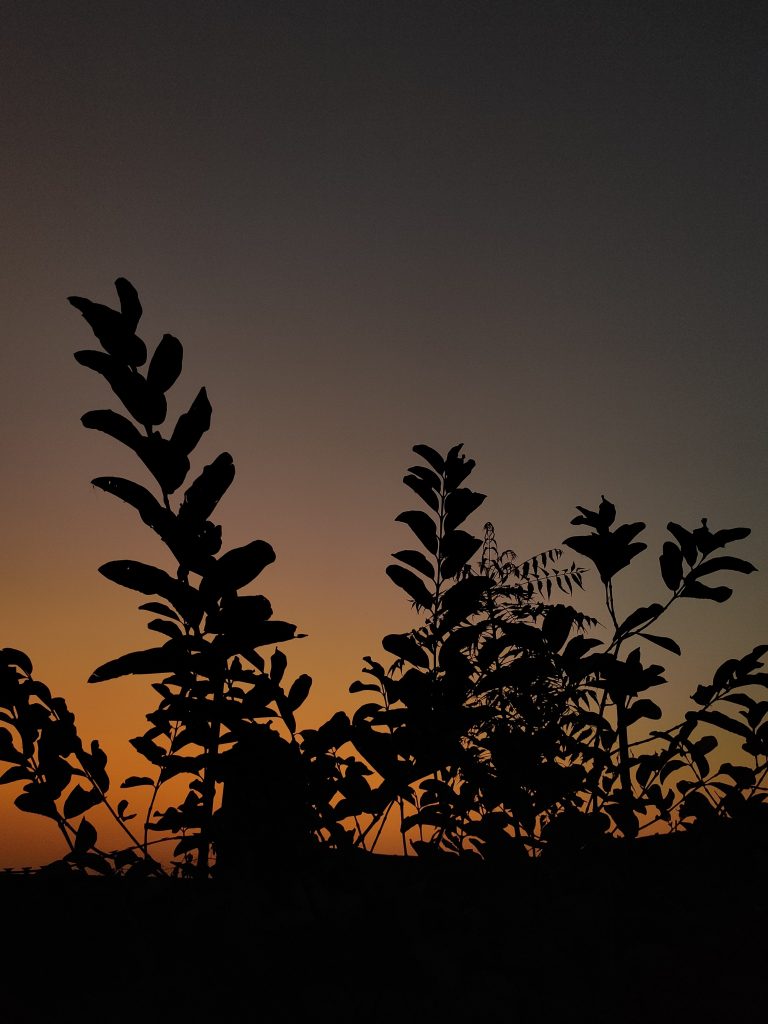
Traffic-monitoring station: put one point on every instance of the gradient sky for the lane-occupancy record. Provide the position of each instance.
(536, 228)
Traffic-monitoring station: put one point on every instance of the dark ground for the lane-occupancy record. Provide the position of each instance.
(658, 931)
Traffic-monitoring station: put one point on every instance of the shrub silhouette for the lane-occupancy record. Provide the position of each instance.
(501, 729)
(538, 754)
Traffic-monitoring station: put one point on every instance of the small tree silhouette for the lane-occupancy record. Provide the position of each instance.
(217, 687)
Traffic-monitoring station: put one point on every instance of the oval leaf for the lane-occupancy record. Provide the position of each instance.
(165, 365)
(423, 526)
(662, 641)
(202, 496)
(155, 660)
(411, 584)
(417, 561)
(193, 424)
(404, 646)
(238, 567)
(299, 692)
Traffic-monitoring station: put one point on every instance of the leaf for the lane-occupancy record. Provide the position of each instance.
(95, 763)
(167, 464)
(38, 689)
(299, 692)
(460, 504)
(159, 660)
(456, 550)
(238, 567)
(402, 645)
(696, 805)
(115, 332)
(463, 598)
(457, 467)
(685, 539)
(423, 489)
(671, 564)
(137, 780)
(152, 751)
(7, 750)
(130, 307)
(170, 629)
(722, 537)
(16, 773)
(193, 424)
(638, 617)
(146, 504)
(358, 687)
(698, 590)
(143, 402)
(705, 745)
(149, 580)
(423, 526)
(606, 513)
(743, 776)
(239, 615)
(724, 562)
(18, 658)
(724, 674)
(99, 362)
(742, 699)
(202, 497)
(757, 713)
(431, 456)
(80, 800)
(662, 641)
(186, 843)
(139, 576)
(579, 646)
(165, 365)
(642, 708)
(557, 624)
(277, 666)
(411, 584)
(35, 803)
(263, 634)
(115, 425)
(724, 722)
(85, 837)
(416, 561)
(585, 544)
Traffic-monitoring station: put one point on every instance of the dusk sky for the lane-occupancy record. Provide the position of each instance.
(535, 228)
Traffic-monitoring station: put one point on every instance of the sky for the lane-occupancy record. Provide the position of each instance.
(538, 229)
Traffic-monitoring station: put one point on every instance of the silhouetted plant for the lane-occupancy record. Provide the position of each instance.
(415, 727)
(439, 704)
(536, 748)
(217, 686)
(500, 728)
(626, 784)
(521, 590)
(48, 757)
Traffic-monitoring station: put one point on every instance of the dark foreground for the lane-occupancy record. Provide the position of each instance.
(660, 931)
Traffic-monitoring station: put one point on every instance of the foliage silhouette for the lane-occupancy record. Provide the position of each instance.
(217, 686)
(47, 755)
(507, 730)
(502, 729)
